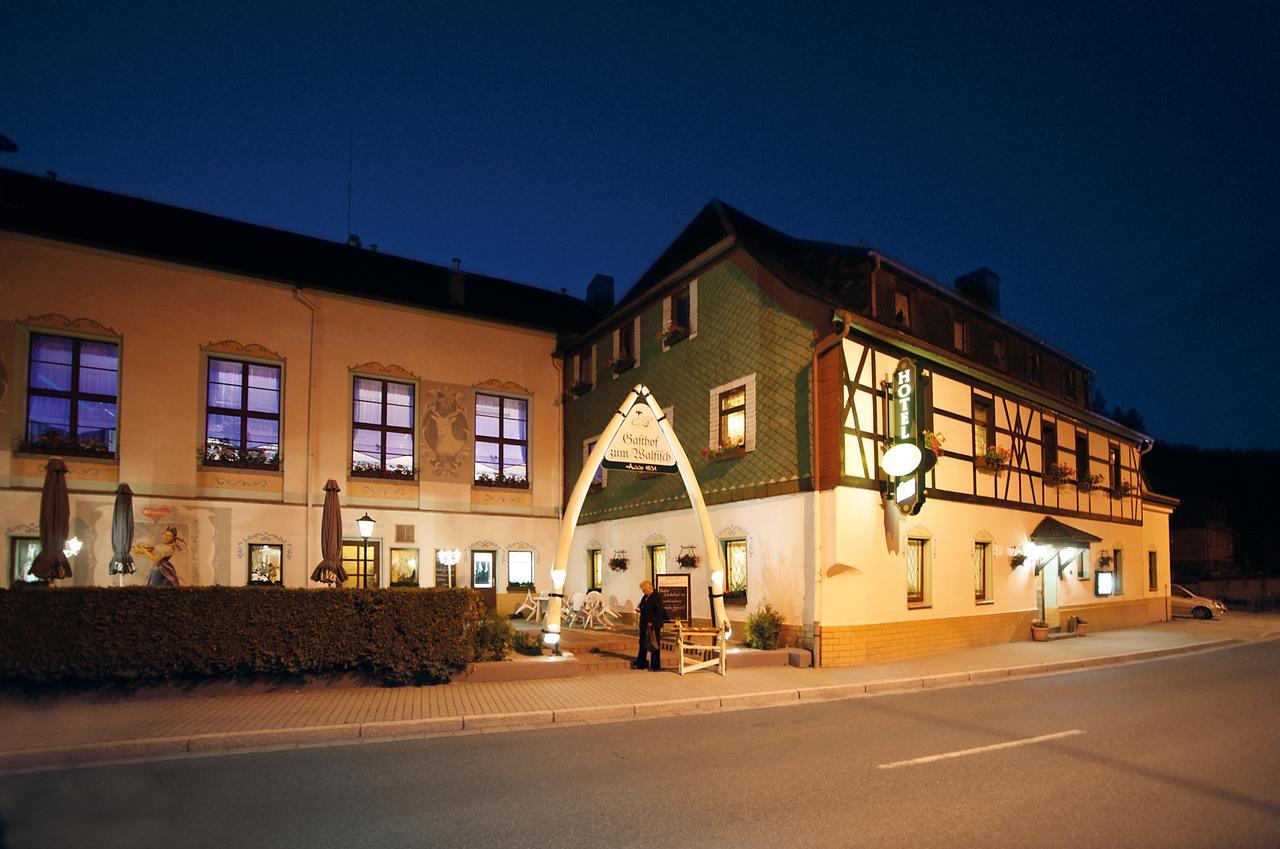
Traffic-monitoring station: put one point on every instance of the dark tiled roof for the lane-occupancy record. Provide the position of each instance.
(1052, 532)
(120, 223)
(823, 270)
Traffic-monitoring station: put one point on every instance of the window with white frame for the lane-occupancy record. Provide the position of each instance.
(982, 572)
(626, 351)
(919, 568)
(680, 314)
(520, 569)
(600, 478)
(735, 566)
(732, 422)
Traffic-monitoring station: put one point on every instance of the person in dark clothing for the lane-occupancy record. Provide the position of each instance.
(652, 617)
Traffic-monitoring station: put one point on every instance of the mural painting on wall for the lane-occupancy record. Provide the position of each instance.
(167, 539)
(446, 432)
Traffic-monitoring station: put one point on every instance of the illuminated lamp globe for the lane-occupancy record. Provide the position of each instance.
(365, 524)
(901, 460)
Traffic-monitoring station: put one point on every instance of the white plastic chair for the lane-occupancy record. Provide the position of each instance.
(528, 607)
(593, 610)
(575, 609)
(607, 612)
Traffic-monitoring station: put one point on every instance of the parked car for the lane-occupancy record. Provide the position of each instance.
(1187, 603)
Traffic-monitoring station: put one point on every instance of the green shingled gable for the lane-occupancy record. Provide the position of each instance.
(740, 331)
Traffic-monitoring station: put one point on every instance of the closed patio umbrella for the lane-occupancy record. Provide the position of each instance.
(330, 570)
(122, 533)
(55, 523)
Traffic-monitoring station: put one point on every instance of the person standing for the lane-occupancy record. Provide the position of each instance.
(653, 615)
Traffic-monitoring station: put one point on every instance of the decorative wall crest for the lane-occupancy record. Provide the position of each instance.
(264, 537)
(30, 530)
(60, 322)
(503, 386)
(388, 370)
(253, 349)
(731, 531)
(483, 545)
(655, 539)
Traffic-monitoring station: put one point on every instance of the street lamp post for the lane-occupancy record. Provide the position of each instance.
(365, 524)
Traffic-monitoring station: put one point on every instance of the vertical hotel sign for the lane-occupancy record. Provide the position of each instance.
(905, 462)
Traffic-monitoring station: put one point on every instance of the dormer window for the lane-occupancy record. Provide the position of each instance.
(1033, 366)
(960, 336)
(999, 352)
(1069, 384)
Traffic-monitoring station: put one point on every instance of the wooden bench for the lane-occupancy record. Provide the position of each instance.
(700, 648)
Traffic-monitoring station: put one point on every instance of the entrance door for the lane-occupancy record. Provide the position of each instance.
(1047, 591)
(657, 562)
(483, 578)
(362, 560)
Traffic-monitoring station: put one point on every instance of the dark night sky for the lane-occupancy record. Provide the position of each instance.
(1116, 164)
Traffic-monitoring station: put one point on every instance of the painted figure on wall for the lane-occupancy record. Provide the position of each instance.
(163, 573)
(445, 432)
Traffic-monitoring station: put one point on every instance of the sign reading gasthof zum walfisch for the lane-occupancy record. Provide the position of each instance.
(640, 445)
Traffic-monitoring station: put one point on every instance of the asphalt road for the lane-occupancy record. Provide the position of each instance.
(1177, 752)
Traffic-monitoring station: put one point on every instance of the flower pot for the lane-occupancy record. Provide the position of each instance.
(1040, 635)
(1082, 629)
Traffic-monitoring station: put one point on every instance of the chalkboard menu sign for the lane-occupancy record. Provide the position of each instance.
(674, 592)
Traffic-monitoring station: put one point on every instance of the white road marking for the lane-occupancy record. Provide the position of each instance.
(980, 749)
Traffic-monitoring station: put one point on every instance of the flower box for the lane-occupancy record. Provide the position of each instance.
(501, 481)
(995, 460)
(724, 452)
(1059, 474)
(1087, 483)
(65, 445)
(1124, 490)
(672, 333)
(580, 388)
(234, 458)
(619, 364)
(373, 470)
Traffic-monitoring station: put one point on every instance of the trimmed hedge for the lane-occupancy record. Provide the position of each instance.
(96, 635)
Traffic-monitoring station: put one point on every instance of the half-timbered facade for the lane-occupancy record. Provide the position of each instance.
(773, 356)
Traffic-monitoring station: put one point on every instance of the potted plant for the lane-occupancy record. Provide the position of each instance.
(621, 363)
(1040, 630)
(370, 469)
(580, 388)
(687, 559)
(509, 481)
(1082, 627)
(1058, 474)
(994, 459)
(1124, 490)
(933, 441)
(618, 562)
(672, 333)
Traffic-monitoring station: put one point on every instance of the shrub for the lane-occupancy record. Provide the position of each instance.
(494, 636)
(764, 628)
(528, 642)
(95, 635)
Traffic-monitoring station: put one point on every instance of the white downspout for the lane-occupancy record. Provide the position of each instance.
(311, 442)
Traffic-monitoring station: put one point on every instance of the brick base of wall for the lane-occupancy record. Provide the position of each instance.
(854, 645)
(1118, 614)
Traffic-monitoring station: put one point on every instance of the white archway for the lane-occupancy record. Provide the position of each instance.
(639, 396)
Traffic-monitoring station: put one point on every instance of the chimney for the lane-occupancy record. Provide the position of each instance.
(982, 287)
(600, 294)
(457, 284)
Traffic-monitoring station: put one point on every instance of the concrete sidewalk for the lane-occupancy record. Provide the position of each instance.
(67, 730)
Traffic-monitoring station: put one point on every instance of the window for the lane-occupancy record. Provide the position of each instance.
(1048, 444)
(598, 479)
(242, 414)
(984, 426)
(265, 565)
(998, 351)
(446, 574)
(482, 569)
(917, 572)
(1082, 565)
(595, 568)
(1033, 366)
(1082, 455)
(624, 347)
(657, 556)
(361, 560)
(902, 308)
(960, 336)
(404, 567)
(1069, 383)
(680, 314)
(1117, 566)
(1153, 572)
(71, 396)
(22, 553)
(502, 441)
(982, 572)
(735, 565)
(586, 371)
(520, 567)
(382, 428)
(733, 417)
(1113, 465)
